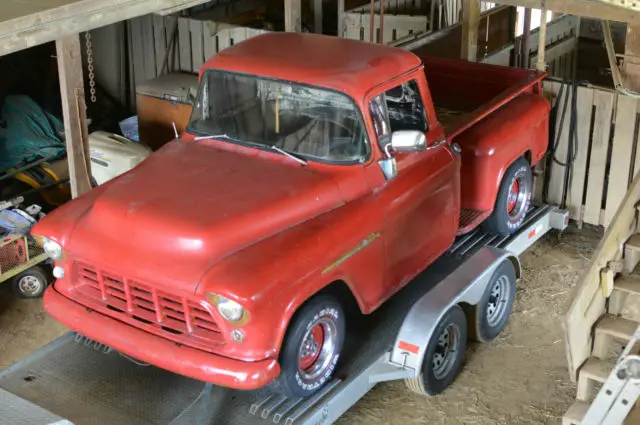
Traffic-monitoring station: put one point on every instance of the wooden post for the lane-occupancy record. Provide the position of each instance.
(292, 16)
(542, 39)
(340, 29)
(74, 113)
(526, 34)
(470, 21)
(317, 16)
(631, 68)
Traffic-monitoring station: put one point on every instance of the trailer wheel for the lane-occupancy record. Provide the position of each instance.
(444, 355)
(490, 316)
(31, 283)
(311, 348)
(512, 202)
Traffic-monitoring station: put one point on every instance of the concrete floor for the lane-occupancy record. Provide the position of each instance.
(520, 378)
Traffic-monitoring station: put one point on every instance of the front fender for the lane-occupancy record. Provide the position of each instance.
(274, 277)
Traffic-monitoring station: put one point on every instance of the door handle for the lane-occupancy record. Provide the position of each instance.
(437, 144)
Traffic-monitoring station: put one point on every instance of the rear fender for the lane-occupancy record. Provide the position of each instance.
(465, 285)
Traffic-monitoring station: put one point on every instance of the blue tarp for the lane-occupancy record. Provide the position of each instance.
(27, 133)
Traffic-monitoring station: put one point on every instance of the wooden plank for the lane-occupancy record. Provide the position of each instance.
(631, 68)
(470, 21)
(292, 15)
(636, 166)
(184, 44)
(197, 44)
(623, 139)
(224, 39)
(74, 113)
(583, 127)
(148, 44)
(341, 22)
(138, 50)
(317, 16)
(171, 37)
(210, 44)
(603, 102)
(556, 179)
(160, 40)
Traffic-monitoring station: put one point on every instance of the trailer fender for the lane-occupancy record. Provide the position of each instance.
(465, 285)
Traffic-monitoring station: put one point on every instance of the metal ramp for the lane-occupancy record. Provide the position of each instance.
(88, 384)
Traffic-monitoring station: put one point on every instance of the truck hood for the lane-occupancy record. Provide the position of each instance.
(188, 206)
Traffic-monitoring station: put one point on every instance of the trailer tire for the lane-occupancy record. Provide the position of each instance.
(512, 202)
(489, 317)
(438, 371)
(311, 348)
(31, 283)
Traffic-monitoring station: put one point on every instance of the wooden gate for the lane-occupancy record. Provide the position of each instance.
(606, 156)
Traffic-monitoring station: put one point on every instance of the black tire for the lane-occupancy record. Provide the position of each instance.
(296, 381)
(433, 379)
(490, 316)
(508, 216)
(31, 283)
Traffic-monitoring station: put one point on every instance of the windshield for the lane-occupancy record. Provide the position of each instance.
(308, 121)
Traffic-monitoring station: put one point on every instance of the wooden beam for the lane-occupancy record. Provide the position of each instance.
(526, 35)
(586, 8)
(542, 40)
(470, 21)
(28, 23)
(317, 16)
(74, 112)
(292, 16)
(631, 68)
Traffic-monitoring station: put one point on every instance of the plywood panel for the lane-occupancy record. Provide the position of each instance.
(583, 126)
(603, 102)
(623, 141)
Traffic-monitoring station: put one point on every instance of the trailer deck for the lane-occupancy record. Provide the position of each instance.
(86, 383)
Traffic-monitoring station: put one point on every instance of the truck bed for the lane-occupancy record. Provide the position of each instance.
(466, 92)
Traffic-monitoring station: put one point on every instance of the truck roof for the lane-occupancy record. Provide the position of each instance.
(350, 66)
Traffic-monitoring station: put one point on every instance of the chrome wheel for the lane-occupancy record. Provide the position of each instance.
(518, 196)
(498, 297)
(446, 351)
(318, 348)
(30, 285)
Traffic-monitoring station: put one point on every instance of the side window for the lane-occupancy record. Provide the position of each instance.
(399, 108)
(406, 110)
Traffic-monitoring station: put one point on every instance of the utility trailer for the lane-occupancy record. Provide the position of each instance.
(77, 381)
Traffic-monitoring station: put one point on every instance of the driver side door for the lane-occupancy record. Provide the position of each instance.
(421, 202)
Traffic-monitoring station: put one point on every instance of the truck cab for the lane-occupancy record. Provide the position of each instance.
(315, 177)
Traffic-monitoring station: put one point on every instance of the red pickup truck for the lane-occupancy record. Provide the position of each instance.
(315, 171)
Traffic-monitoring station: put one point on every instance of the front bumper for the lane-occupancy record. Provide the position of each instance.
(158, 351)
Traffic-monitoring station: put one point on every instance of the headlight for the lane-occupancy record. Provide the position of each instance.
(52, 248)
(230, 310)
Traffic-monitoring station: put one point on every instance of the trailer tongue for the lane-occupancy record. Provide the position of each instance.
(75, 381)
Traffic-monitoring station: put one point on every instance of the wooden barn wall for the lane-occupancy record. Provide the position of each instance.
(606, 155)
(448, 46)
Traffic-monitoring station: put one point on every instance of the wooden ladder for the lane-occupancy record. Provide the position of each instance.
(614, 328)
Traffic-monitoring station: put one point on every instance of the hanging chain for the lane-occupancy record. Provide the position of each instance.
(90, 68)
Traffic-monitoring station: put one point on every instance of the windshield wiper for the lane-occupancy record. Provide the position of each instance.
(290, 155)
(213, 136)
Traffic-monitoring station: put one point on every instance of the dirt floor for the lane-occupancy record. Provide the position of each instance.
(521, 378)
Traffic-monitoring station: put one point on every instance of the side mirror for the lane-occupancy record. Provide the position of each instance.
(403, 141)
(407, 141)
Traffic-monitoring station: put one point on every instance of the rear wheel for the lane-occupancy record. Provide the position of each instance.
(444, 355)
(490, 316)
(512, 202)
(311, 348)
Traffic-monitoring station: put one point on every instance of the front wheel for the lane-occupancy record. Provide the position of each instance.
(512, 202)
(31, 283)
(311, 348)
